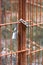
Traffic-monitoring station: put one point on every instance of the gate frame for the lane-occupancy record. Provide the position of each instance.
(22, 34)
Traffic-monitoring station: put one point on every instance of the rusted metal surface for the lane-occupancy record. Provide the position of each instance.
(0, 47)
(0, 31)
(21, 34)
(35, 4)
(0, 11)
(22, 51)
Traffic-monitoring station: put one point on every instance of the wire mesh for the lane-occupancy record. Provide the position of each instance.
(20, 45)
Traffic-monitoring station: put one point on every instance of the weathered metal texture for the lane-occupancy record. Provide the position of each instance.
(22, 60)
(0, 11)
(36, 26)
(22, 34)
(31, 30)
(36, 5)
(0, 47)
(0, 30)
(11, 30)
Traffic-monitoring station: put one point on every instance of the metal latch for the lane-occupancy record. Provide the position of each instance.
(15, 32)
(24, 22)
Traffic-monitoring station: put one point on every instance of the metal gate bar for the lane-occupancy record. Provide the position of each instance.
(22, 51)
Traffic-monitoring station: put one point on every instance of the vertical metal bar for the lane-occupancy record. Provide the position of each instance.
(28, 30)
(22, 34)
(31, 31)
(39, 40)
(29, 16)
(28, 11)
(0, 31)
(32, 23)
(40, 28)
(0, 47)
(40, 25)
(11, 32)
(0, 11)
(36, 28)
(5, 34)
(30, 36)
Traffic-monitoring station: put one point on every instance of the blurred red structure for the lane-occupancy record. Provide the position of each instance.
(25, 11)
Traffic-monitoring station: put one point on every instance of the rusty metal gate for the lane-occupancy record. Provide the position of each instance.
(21, 32)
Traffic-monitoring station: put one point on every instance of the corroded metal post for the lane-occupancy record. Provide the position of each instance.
(22, 34)
(0, 11)
(0, 29)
